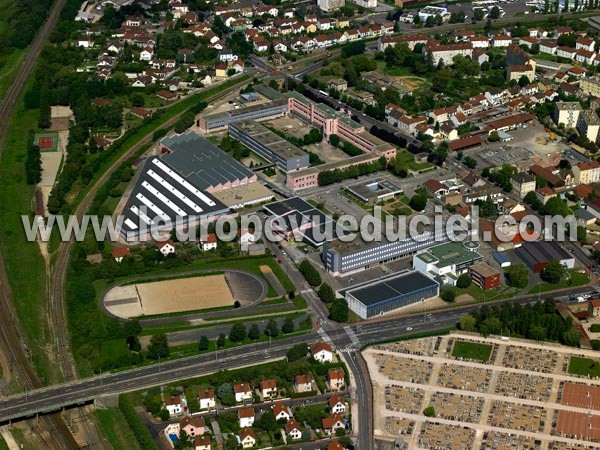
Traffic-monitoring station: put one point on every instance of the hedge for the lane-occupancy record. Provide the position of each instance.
(140, 432)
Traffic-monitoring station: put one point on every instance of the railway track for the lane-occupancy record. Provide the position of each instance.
(52, 430)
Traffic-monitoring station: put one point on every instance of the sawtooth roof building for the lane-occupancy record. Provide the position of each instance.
(179, 187)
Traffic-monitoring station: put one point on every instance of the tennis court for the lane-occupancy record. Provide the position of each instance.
(47, 142)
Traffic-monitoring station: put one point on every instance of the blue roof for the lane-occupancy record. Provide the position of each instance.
(500, 257)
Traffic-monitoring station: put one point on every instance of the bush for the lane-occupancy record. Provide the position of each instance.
(464, 281)
(448, 294)
(595, 344)
(429, 411)
(297, 352)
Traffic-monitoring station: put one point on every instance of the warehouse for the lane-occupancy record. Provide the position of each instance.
(269, 145)
(182, 185)
(388, 294)
(537, 255)
(264, 111)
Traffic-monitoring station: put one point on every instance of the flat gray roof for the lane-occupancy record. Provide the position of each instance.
(266, 137)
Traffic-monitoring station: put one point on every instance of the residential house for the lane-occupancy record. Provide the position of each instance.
(193, 426)
(140, 112)
(335, 378)
(209, 242)
(407, 123)
(337, 404)
(120, 252)
(246, 417)
(293, 430)
(566, 52)
(548, 46)
(585, 43)
(435, 188)
(321, 352)
(501, 41)
(247, 437)
(304, 383)
(282, 411)
(202, 443)
(242, 392)
(268, 389)
(166, 95)
(333, 423)
(206, 398)
(175, 404)
(335, 445)
(545, 193)
(166, 247)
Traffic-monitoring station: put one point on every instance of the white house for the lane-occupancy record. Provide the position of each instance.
(333, 423)
(246, 417)
(247, 437)
(282, 411)
(175, 404)
(242, 392)
(337, 404)
(208, 242)
(268, 389)
(146, 54)
(206, 398)
(321, 352)
(85, 43)
(166, 247)
(293, 429)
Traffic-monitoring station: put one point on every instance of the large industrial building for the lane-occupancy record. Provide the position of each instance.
(447, 261)
(269, 145)
(384, 295)
(184, 184)
(342, 258)
(536, 255)
(264, 111)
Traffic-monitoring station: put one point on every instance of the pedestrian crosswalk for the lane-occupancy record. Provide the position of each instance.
(353, 337)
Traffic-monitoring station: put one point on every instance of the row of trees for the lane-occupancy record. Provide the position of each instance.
(327, 177)
(539, 322)
(33, 162)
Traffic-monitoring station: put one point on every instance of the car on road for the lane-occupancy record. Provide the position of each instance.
(409, 328)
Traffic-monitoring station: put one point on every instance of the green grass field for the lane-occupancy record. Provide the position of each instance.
(115, 428)
(409, 159)
(9, 65)
(577, 279)
(472, 350)
(24, 263)
(584, 366)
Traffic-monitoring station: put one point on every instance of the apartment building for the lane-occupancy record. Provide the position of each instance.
(567, 113)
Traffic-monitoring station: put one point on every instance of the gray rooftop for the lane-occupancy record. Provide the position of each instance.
(201, 162)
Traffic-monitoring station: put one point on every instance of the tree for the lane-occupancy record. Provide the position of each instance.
(478, 14)
(326, 293)
(288, 325)
(238, 332)
(518, 276)
(339, 310)
(553, 272)
(448, 294)
(137, 100)
(467, 322)
(272, 330)
(204, 343)
(231, 443)
(463, 281)
(221, 340)
(418, 202)
(334, 140)
(429, 411)
(495, 13)
(524, 81)
(311, 274)
(297, 352)
(267, 422)
(254, 332)
(159, 346)
(494, 137)
(226, 394)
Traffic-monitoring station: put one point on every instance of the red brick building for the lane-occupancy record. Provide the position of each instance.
(484, 276)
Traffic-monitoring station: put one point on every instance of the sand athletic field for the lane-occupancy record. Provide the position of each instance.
(169, 296)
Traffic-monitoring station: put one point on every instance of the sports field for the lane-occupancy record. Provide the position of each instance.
(169, 296)
(47, 142)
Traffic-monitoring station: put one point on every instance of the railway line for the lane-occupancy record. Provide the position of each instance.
(52, 431)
